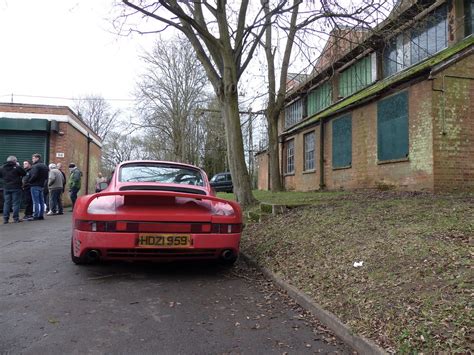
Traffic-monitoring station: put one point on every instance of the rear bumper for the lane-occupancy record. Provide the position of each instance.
(124, 246)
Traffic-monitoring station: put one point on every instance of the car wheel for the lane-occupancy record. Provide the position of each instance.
(77, 259)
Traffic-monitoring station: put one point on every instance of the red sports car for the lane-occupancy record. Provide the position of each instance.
(156, 211)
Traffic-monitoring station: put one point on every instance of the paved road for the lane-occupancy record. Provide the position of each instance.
(49, 305)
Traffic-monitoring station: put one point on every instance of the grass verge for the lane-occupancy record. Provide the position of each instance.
(413, 292)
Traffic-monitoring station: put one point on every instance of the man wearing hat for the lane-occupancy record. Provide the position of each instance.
(74, 182)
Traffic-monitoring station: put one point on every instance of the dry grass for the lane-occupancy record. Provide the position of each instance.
(414, 290)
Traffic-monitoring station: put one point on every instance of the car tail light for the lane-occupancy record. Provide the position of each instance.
(156, 227)
(223, 228)
(95, 226)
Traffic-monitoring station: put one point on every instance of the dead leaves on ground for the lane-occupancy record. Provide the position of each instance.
(413, 291)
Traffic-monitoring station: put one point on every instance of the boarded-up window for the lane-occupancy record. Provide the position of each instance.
(356, 77)
(290, 156)
(342, 142)
(309, 141)
(319, 98)
(392, 127)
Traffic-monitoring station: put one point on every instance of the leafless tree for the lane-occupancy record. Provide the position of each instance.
(224, 44)
(225, 36)
(97, 113)
(169, 92)
(120, 147)
(214, 151)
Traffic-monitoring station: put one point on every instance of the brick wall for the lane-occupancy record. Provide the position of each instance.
(453, 131)
(366, 171)
(304, 180)
(68, 140)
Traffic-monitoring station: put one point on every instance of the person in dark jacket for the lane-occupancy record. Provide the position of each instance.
(27, 192)
(74, 182)
(11, 172)
(38, 176)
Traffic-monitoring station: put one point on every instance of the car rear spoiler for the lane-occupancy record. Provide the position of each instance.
(82, 204)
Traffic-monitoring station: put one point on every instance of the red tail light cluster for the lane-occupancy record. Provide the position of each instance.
(95, 226)
(226, 228)
(151, 227)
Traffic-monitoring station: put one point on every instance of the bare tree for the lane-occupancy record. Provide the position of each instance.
(224, 44)
(170, 91)
(118, 148)
(97, 113)
(214, 151)
(225, 39)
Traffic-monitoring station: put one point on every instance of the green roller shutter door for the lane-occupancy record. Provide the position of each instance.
(23, 145)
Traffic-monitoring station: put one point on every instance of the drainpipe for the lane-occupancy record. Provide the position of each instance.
(89, 140)
(282, 162)
(321, 154)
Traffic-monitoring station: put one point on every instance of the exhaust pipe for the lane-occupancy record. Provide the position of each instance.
(228, 254)
(93, 255)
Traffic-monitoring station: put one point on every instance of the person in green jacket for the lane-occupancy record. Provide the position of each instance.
(74, 182)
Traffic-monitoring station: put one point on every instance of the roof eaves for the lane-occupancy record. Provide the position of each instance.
(385, 25)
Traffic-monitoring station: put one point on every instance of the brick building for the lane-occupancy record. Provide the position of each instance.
(55, 132)
(390, 108)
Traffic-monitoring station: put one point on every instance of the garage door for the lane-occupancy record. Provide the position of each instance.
(23, 145)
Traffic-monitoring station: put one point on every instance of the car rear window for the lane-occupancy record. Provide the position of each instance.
(161, 173)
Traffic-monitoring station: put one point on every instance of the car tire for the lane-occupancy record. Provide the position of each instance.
(77, 259)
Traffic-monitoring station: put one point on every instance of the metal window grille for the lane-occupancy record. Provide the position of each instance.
(425, 38)
(294, 113)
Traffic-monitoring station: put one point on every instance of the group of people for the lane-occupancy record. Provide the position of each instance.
(31, 183)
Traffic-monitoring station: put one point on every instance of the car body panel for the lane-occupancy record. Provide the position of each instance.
(112, 221)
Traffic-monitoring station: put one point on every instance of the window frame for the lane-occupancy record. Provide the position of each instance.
(309, 167)
(294, 112)
(412, 46)
(290, 158)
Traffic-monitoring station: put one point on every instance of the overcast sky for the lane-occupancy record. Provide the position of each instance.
(65, 49)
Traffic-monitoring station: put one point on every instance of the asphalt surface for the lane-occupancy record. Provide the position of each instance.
(48, 305)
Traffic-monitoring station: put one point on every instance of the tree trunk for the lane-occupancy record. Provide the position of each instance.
(273, 152)
(235, 144)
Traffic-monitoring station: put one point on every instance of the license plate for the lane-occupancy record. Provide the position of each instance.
(164, 240)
